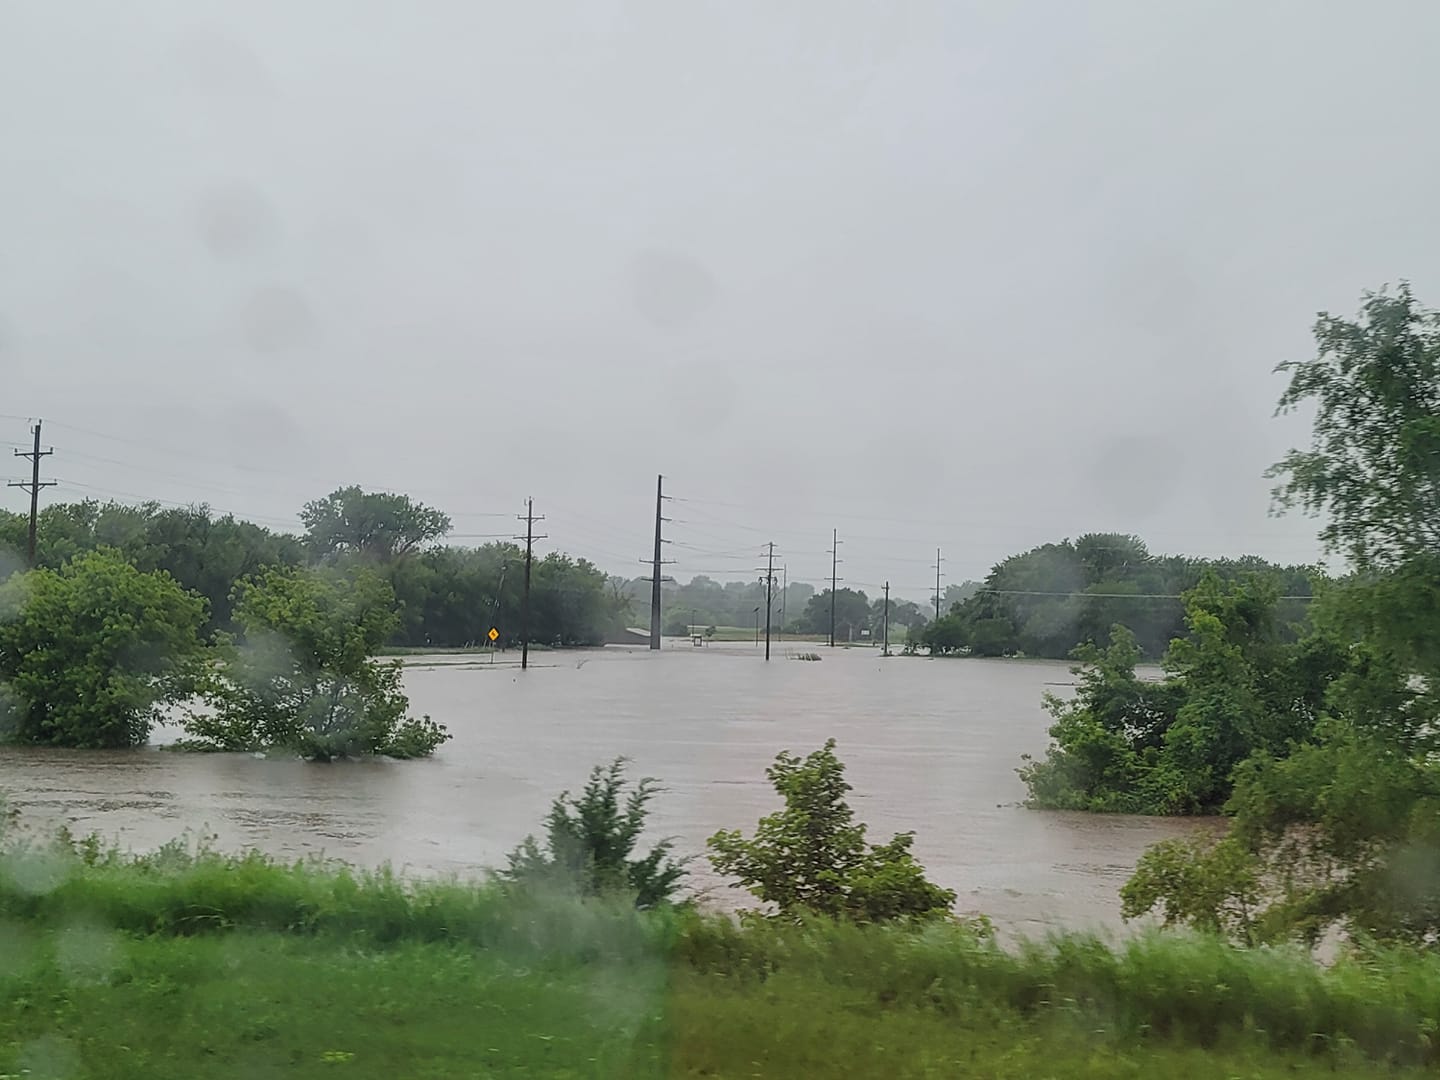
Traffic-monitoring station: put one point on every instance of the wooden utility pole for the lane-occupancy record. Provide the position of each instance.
(655, 564)
(834, 580)
(886, 650)
(769, 593)
(938, 562)
(33, 485)
(529, 518)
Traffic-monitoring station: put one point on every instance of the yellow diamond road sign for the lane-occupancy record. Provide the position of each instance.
(494, 633)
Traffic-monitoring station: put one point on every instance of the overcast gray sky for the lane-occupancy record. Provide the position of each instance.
(975, 275)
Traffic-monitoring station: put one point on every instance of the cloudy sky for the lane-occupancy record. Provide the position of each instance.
(974, 275)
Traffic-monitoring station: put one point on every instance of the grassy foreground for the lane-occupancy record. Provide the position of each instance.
(190, 966)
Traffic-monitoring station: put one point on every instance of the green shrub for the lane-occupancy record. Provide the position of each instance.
(590, 841)
(91, 652)
(812, 855)
(304, 680)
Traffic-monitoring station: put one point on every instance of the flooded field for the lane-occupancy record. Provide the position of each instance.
(930, 745)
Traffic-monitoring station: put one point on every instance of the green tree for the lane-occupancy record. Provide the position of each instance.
(1342, 825)
(852, 614)
(377, 525)
(812, 856)
(302, 677)
(946, 635)
(1373, 467)
(1341, 833)
(590, 843)
(208, 555)
(1107, 740)
(1208, 884)
(91, 653)
(1234, 686)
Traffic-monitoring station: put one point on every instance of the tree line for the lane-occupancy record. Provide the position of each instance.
(252, 639)
(796, 609)
(1052, 599)
(1317, 739)
(445, 595)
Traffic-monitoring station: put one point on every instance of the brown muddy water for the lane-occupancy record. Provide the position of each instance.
(930, 745)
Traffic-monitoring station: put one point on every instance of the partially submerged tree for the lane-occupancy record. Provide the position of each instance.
(1234, 687)
(1342, 829)
(812, 856)
(91, 653)
(303, 677)
(590, 842)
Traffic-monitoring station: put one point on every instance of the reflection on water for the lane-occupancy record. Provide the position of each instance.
(931, 746)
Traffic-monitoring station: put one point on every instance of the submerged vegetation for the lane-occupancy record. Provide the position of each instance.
(303, 678)
(1308, 719)
(1318, 742)
(811, 856)
(589, 842)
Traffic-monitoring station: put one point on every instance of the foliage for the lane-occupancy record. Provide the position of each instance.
(205, 554)
(446, 597)
(852, 614)
(375, 525)
(303, 678)
(1342, 833)
(1054, 598)
(812, 856)
(1339, 829)
(91, 653)
(590, 841)
(1209, 884)
(102, 1005)
(1234, 687)
(1373, 467)
(193, 959)
(703, 601)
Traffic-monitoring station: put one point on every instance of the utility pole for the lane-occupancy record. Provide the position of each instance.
(33, 485)
(834, 580)
(655, 564)
(769, 569)
(938, 562)
(886, 650)
(530, 539)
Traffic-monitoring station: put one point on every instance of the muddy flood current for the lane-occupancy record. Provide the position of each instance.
(930, 745)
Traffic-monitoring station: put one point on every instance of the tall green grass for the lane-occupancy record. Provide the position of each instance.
(1159, 989)
(1194, 988)
(184, 890)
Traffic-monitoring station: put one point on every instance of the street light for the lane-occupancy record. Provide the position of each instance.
(757, 626)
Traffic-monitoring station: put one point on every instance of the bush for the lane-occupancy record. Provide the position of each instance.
(303, 679)
(811, 857)
(590, 840)
(89, 653)
(1235, 687)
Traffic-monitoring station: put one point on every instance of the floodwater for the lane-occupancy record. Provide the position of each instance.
(930, 746)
